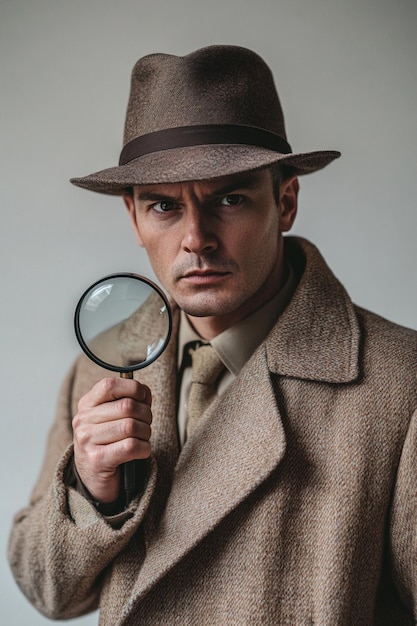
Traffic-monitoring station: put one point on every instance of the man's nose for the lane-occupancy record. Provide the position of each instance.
(198, 235)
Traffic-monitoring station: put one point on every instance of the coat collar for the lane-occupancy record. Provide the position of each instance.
(318, 336)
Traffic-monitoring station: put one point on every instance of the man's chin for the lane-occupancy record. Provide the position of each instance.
(204, 308)
(199, 311)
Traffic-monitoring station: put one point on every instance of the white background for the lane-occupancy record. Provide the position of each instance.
(346, 74)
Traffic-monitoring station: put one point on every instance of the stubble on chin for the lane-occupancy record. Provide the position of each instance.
(209, 304)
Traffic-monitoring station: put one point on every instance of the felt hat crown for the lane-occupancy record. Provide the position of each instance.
(211, 113)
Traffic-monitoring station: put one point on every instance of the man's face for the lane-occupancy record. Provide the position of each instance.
(216, 245)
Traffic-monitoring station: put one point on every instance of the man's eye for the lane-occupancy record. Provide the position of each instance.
(232, 199)
(163, 206)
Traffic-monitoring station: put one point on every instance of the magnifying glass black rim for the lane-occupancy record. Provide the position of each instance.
(122, 368)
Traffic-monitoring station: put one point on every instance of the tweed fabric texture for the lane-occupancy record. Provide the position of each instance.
(294, 502)
(216, 85)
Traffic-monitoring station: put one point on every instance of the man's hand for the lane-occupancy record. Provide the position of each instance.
(112, 426)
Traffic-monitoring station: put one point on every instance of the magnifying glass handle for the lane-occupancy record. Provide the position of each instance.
(129, 480)
(129, 468)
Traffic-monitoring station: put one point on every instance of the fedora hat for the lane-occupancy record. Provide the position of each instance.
(214, 112)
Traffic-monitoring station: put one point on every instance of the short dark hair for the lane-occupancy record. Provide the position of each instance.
(279, 173)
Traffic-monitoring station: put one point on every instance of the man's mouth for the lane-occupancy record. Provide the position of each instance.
(204, 277)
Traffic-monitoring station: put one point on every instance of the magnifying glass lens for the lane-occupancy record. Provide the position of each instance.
(123, 322)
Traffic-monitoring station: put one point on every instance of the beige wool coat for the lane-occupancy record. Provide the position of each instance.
(293, 503)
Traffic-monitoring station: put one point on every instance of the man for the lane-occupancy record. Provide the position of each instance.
(292, 498)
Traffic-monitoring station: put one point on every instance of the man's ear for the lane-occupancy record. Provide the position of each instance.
(130, 205)
(288, 202)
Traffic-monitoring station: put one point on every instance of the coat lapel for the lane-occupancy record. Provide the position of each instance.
(234, 448)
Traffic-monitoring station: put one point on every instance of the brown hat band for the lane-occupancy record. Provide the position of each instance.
(185, 136)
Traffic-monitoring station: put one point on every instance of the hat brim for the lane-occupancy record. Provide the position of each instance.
(198, 163)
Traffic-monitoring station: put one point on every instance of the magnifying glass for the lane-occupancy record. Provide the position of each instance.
(123, 323)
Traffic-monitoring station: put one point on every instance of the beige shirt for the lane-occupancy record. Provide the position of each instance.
(234, 346)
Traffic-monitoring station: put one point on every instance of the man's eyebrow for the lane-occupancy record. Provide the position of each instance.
(154, 196)
(244, 182)
(241, 182)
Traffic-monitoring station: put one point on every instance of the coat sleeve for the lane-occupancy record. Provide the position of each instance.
(403, 525)
(60, 546)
